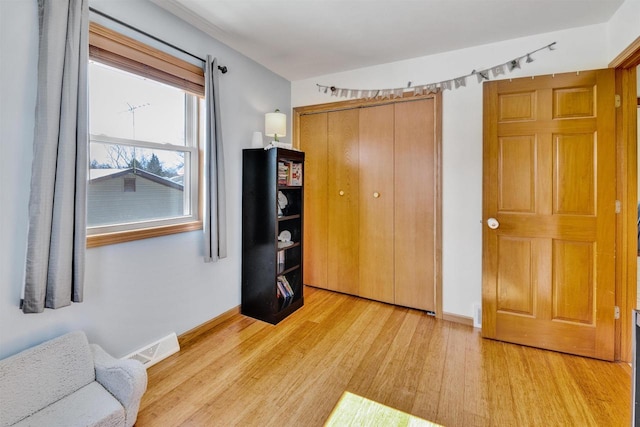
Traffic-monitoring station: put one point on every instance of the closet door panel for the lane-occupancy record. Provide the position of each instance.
(415, 204)
(376, 202)
(342, 200)
(313, 141)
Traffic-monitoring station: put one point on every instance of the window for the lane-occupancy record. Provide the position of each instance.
(144, 168)
(129, 185)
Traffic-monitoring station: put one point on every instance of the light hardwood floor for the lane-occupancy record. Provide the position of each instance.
(248, 373)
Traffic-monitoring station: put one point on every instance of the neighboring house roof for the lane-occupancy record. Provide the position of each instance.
(97, 175)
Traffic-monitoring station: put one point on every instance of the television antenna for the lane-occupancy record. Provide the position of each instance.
(132, 109)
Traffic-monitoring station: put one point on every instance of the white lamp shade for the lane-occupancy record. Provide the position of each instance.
(275, 124)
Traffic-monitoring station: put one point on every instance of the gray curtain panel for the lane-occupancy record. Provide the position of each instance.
(215, 219)
(57, 205)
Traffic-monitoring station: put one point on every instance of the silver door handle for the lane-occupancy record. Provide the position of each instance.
(493, 223)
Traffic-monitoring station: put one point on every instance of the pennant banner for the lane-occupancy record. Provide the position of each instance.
(457, 82)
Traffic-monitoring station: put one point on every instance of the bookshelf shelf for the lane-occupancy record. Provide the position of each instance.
(272, 238)
(289, 270)
(287, 217)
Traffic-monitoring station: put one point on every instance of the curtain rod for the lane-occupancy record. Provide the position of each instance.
(223, 69)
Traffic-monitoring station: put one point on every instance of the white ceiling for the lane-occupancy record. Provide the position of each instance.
(299, 39)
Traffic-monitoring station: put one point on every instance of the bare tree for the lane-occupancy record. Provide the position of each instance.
(120, 156)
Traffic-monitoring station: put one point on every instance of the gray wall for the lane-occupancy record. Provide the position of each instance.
(135, 292)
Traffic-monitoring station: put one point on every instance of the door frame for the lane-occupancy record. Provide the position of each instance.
(406, 97)
(627, 183)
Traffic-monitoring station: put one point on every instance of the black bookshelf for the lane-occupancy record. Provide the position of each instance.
(265, 259)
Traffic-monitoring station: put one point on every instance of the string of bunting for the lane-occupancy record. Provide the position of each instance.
(456, 82)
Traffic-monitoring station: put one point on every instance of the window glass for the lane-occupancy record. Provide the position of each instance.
(143, 167)
(124, 105)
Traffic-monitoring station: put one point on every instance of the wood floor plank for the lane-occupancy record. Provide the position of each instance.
(475, 395)
(362, 381)
(392, 368)
(427, 398)
(451, 398)
(247, 373)
(406, 381)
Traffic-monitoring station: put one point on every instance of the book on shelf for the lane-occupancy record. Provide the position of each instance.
(280, 261)
(289, 173)
(283, 173)
(284, 291)
(287, 286)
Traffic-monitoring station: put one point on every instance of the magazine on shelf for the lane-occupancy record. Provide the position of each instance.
(295, 174)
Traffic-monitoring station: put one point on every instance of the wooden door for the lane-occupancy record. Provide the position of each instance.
(343, 169)
(416, 205)
(549, 182)
(376, 129)
(313, 141)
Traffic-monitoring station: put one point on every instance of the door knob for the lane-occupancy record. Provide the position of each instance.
(376, 194)
(493, 223)
(341, 193)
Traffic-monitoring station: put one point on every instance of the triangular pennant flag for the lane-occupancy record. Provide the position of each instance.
(445, 85)
(482, 75)
(460, 81)
(498, 70)
(432, 88)
(418, 90)
(397, 93)
(514, 64)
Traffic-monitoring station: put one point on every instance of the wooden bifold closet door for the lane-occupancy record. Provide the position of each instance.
(376, 203)
(416, 230)
(372, 200)
(342, 201)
